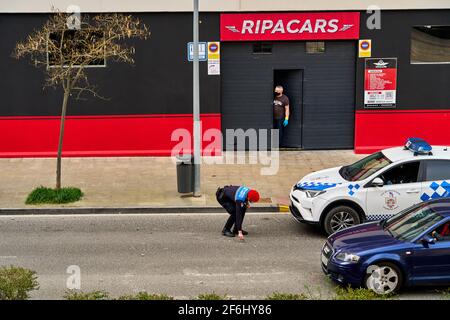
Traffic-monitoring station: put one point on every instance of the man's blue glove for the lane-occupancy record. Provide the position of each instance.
(285, 123)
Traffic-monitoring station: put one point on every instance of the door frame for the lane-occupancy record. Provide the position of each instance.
(368, 187)
(303, 91)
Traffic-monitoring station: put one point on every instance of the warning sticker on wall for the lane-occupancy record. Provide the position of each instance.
(380, 83)
(213, 67)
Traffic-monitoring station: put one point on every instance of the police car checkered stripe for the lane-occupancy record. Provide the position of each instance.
(436, 190)
(316, 186)
(352, 188)
(378, 217)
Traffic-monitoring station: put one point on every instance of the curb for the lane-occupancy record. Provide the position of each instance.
(126, 210)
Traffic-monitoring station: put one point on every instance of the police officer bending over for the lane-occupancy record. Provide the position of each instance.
(235, 200)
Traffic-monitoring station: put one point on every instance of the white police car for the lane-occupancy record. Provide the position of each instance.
(373, 188)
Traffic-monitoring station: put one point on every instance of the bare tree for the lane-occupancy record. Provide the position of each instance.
(66, 53)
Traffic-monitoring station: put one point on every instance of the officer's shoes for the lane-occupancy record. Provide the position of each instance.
(243, 232)
(227, 233)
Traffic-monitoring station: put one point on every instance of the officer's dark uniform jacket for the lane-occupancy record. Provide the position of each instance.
(234, 200)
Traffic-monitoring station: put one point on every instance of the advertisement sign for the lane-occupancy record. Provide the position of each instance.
(289, 26)
(365, 48)
(380, 83)
(201, 51)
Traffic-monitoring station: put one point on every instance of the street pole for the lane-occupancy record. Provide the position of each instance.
(196, 104)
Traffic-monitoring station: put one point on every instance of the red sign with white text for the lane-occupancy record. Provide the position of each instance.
(380, 83)
(289, 26)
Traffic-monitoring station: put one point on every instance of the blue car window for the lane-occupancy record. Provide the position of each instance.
(442, 233)
(411, 224)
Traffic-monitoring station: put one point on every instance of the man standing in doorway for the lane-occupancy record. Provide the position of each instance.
(280, 112)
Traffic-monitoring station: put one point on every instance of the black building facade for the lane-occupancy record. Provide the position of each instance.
(325, 79)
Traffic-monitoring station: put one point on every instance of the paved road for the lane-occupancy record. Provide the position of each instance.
(181, 255)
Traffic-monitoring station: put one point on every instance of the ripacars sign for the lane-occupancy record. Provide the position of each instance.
(289, 26)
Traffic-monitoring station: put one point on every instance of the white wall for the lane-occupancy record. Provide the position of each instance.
(215, 5)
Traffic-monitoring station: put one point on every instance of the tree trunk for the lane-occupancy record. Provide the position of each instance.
(61, 138)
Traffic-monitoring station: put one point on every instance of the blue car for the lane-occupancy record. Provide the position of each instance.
(411, 248)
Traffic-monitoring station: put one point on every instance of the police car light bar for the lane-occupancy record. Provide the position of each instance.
(418, 146)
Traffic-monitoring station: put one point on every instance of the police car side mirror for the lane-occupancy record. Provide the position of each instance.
(377, 182)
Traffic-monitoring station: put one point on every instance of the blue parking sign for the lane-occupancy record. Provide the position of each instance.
(202, 52)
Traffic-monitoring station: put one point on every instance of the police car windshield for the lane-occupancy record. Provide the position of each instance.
(411, 223)
(364, 168)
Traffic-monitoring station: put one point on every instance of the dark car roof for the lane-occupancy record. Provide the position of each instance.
(441, 206)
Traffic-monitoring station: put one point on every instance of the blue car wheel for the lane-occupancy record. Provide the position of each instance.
(383, 278)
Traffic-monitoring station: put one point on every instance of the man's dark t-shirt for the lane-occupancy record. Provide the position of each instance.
(279, 104)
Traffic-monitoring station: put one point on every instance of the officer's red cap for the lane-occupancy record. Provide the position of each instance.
(253, 196)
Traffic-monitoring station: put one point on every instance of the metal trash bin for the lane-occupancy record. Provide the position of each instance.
(185, 173)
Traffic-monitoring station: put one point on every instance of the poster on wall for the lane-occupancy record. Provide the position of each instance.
(380, 83)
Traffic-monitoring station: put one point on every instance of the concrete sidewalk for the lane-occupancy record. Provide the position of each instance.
(151, 181)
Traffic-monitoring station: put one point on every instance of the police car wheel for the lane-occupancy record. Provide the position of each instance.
(340, 218)
(383, 278)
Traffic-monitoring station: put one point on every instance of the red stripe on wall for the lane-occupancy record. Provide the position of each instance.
(380, 129)
(92, 136)
(159, 115)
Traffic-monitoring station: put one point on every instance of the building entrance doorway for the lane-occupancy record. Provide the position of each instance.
(292, 82)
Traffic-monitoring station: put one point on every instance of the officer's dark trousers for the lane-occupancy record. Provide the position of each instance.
(231, 209)
(278, 124)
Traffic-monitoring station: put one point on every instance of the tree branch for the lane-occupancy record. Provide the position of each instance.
(67, 53)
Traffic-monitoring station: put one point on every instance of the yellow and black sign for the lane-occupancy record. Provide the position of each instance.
(365, 48)
(214, 50)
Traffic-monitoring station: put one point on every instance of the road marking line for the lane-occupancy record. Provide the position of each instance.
(132, 215)
(242, 274)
